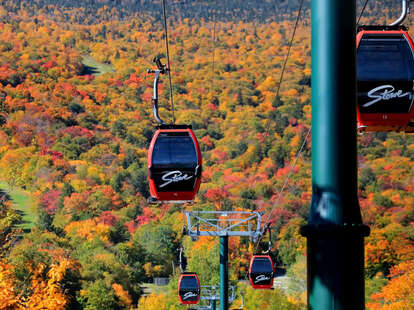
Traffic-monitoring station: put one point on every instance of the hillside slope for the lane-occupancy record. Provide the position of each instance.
(78, 143)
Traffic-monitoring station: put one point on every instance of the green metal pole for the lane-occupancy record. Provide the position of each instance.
(224, 273)
(213, 304)
(335, 233)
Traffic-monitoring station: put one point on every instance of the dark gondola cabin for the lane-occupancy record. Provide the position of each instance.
(189, 288)
(174, 164)
(261, 272)
(385, 71)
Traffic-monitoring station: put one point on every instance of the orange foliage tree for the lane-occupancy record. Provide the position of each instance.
(398, 294)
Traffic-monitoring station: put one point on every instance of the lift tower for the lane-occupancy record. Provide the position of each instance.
(224, 224)
(335, 233)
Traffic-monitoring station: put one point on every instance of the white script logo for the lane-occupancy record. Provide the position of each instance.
(261, 278)
(386, 94)
(189, 295)
(173, 177)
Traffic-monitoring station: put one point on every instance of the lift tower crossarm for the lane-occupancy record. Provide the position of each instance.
(223, 223)
(210, 292)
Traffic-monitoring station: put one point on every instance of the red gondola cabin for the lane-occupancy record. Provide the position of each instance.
(261, 272)
(189, 288)
(174, 164)
(385, 71)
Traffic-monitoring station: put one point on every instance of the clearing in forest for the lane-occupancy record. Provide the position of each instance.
(91, 66)
(23, 204)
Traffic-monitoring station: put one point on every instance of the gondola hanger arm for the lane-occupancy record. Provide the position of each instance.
(404, 13)
(269, 243)
(161, 69)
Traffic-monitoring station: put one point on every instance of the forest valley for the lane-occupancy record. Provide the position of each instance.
(75, 125)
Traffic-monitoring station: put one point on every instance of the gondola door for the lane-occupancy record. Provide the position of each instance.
(385, 71)
(261, 272)
(174, 164)
(189, 288)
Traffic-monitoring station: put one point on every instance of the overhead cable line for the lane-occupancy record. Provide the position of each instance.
(288, 176)
(168, 60)
(362, 11)
(266, 223)
(277, 95)
(270, 120)
(289, 48)
(285, 183)
(214, 49)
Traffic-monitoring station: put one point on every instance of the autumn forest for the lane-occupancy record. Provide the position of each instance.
(76, 231)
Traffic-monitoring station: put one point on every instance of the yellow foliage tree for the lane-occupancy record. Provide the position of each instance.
(88, 229)
(398, 294)
(12, 163)
(8, 297)
(48, 294)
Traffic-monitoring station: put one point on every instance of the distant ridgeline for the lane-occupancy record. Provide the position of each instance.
(93, 11)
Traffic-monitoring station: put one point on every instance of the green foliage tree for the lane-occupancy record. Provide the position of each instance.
(158, 241)
(99, 295)
(269, 299)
